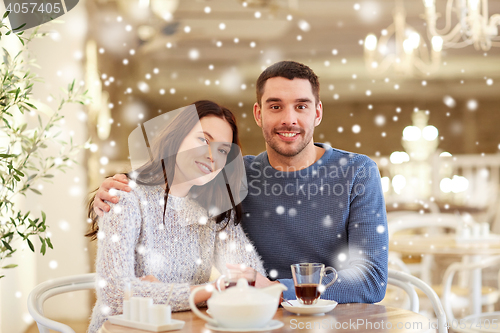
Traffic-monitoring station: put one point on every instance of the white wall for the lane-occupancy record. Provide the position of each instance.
(61, 59)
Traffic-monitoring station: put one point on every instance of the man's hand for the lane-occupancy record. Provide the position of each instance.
(119, 182)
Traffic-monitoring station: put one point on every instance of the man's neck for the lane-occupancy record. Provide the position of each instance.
(307, 157)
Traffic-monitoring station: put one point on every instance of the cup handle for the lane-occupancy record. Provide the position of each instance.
(217, 282)
(196, 311)
(336, 275)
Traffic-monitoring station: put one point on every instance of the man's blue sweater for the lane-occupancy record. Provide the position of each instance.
(332, 212)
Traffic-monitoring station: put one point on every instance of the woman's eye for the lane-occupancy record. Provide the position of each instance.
(205, 141)
(222, 151)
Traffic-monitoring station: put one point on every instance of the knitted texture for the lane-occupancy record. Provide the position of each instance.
(332, 212)
(134, 242)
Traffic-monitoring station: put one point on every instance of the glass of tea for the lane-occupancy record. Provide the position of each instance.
(307, 279)
(232, 275)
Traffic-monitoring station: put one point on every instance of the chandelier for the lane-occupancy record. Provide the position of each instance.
(420, 140)
(411, 169)
(473, 25)
(162, 8)
(401, 46)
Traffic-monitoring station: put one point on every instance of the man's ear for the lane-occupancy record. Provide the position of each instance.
(319, 114)
(257, 114)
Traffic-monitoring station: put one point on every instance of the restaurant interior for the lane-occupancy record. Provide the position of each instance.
(413, 84)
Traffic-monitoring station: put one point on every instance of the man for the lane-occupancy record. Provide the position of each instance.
(308, 202)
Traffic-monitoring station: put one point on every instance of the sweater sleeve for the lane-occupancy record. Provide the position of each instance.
(233, 247)
(365, 278)
(117, 242)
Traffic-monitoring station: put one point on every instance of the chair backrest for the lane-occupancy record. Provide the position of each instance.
(450, 273)
(395, 261)
(407, 282)
(415, 220)
(395, 201)
(50, 288)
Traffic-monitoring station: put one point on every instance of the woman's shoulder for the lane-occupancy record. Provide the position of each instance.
(143, 190)
(138, 194)
(133, 203)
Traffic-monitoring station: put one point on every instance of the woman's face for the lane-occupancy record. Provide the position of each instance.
(203, 153)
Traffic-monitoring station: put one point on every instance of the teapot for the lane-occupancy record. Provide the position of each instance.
(241, 306)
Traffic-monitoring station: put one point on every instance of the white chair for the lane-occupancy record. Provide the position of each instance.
(395, 296)
(413, 220)
(398, 221)
(402, 221)
(392, 296)
(50, 288)
(407, 282)
(446, 297)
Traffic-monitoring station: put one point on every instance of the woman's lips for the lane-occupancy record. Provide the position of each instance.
(203, 167)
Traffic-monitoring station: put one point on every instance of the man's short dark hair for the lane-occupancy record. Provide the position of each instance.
(289, 70)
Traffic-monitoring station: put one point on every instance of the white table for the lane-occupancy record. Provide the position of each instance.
(372, 318)
(446, 245)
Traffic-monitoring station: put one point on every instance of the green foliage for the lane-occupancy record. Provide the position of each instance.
(24, 157)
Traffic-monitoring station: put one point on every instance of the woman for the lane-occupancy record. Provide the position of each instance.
(162, 230)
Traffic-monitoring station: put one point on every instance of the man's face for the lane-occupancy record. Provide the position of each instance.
(288, 115)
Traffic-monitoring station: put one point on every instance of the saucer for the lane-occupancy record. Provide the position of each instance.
(272, 325)
(320, 307)
(174, 324)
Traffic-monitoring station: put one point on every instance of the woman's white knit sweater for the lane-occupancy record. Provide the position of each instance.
(134, 242)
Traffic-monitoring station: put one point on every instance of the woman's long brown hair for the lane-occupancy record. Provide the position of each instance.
(164, 149)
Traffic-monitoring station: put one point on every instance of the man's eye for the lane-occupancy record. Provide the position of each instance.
(302, 107)
(275, 107)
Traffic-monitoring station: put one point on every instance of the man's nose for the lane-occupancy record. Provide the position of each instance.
(289, 116)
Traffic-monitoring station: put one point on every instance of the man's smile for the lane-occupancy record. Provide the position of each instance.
(288, 136)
